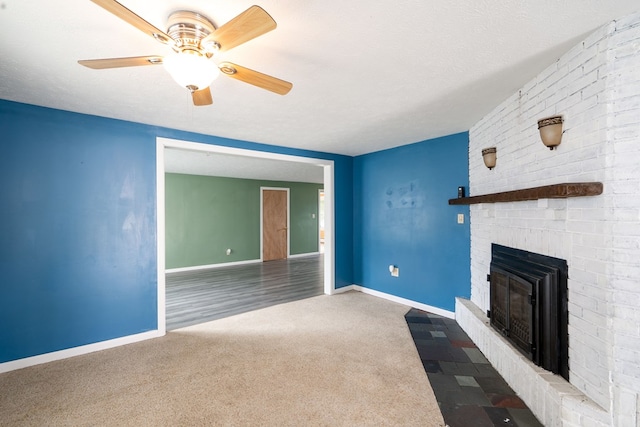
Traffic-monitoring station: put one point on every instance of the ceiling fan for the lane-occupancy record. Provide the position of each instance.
(195, 41)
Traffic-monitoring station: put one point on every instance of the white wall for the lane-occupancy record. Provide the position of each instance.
(623, 202)
(596, 87)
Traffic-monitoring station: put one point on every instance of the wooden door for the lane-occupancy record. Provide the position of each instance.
(274, 225)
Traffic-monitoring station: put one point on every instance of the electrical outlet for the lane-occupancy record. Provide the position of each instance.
(396, 272)
(460, 218)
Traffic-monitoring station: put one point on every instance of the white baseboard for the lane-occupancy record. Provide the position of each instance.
(230, 264)
(431, 309)
(304, 255)
(104, 345)
(76, 351)
(345, 289)
(204, 267)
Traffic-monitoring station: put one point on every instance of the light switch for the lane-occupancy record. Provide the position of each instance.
(460, 218)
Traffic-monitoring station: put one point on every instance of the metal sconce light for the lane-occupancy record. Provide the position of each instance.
(551, 131)
(489, 157)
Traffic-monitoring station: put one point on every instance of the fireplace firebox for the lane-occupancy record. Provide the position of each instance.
(528, 299)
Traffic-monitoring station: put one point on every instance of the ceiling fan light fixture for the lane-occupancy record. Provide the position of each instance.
(195, 40)
(191, 70)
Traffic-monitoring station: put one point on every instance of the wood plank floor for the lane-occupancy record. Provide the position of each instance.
(200, 296)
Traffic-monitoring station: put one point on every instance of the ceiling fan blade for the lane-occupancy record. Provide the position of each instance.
(250, 24)
(128, 16)
(133, 61)
(255, 78)
(202, 97)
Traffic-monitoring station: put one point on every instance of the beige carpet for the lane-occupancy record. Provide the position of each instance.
(342, 360)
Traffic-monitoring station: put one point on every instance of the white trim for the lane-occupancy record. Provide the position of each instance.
(130, 339)
(431, 309)
(347, 289)
(160, 239)
(206, 267)
(76, 351)
(306, 254)
(329, 238)
(211, 148)
(328, 166)
(231, 264)
(288, 190)
(320, 238)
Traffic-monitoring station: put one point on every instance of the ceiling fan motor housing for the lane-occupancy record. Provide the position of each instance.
(187, 29)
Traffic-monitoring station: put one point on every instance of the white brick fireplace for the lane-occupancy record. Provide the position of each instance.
(596, 88)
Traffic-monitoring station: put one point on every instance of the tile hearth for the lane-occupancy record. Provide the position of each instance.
(469, 391)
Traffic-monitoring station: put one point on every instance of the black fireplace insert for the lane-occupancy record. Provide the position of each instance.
(528, 299)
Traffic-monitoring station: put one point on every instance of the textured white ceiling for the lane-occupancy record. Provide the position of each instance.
(367, 75)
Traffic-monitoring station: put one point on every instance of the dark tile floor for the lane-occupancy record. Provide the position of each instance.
(469, 390)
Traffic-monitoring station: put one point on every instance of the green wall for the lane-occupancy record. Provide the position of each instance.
(205, 215)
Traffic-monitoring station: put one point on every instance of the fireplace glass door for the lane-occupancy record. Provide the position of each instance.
(521, 315)
(528, 305)
(511, 310)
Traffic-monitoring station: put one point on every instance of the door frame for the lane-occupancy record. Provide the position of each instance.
(262, 189)
(320, 237)
(329, 214)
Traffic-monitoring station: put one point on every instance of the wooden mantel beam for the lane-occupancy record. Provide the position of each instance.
(555, 191)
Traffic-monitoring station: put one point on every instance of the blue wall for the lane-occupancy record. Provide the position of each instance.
(78, 221)
(402, 217)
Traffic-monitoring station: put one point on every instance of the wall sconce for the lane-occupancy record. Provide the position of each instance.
(489, 157)
(551, 131)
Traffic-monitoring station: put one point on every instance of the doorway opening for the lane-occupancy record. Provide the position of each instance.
(164, 144)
